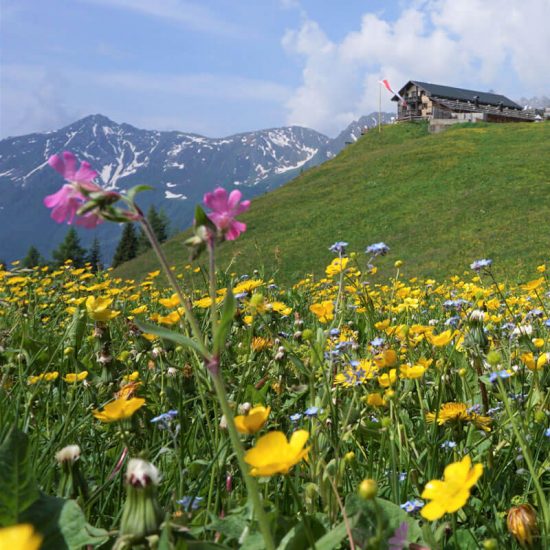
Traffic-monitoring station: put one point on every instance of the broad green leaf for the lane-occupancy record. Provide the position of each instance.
(18, 488)
(168, 334)
(231, 527)
(462, 539)
(333, 538)
(228, 312)
(62, 524)
(297, 538)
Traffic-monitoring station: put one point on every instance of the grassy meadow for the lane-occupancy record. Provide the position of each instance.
(439, 200)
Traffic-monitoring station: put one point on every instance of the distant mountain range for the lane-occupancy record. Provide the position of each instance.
(180, 166)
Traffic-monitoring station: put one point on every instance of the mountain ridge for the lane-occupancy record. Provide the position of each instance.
(181, 166)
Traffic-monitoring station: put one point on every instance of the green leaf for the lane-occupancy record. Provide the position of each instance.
(228, 313)
(133, 191)
(62, 524)
(333, 538)
(168, 334)
(365, 514)
(231, 527)
(297, 538)
(18, 488)
(462, 539)
(202, 219)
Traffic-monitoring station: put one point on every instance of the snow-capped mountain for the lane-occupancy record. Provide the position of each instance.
(180, 167)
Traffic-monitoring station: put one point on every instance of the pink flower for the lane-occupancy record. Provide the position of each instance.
(224, 210)
(66, 202)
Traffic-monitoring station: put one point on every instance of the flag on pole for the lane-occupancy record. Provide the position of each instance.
(386, 85)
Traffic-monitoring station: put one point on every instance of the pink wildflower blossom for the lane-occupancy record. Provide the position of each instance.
(66, 202)
(224, 210)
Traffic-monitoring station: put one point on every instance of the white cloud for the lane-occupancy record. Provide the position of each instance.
(473, 44)
(190, 15)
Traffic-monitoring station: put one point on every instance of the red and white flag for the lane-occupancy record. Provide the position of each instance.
(386, 85)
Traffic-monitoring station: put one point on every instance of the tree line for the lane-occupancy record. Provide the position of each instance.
(132, 243)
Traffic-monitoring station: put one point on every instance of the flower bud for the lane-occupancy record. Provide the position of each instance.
(522, 524)
(490, 544)
(229, 483)
(141, 515)
(494, 358)
(71, 483)
(368, 489)
(349, 457)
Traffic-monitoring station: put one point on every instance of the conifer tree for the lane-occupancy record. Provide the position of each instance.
(33, 258)
(70, 249)
(159, 224)
(94, 256)
(127, 246)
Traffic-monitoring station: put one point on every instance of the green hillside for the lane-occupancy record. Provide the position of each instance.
(439, 201)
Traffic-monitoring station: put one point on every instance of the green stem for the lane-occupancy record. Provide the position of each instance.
(174, 283)
(298, 500)
(251, 485)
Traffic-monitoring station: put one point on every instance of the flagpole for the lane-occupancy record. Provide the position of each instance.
(379, 107)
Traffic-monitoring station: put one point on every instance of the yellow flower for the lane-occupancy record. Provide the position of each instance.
(323, 310)
(247, 286)
(170, 319)
(416, 371)
(453, 492)
(171, 302)
(98, 308)
(131, 377)
(273, 454)
(259, 343)
(440, 340)
(375, 400)
(203, 302)
(139, 310)
(543, 360)
(20, 537)
(387, 358)
(387, 380)
(336, 266)
(538, 342)
(533, 285)
(47, 376)
(253, 421)
(75, 377)
(528, 359)
(119, 409)
(458, 412)
(281, 308)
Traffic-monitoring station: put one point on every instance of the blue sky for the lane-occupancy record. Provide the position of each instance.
(218, 67)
